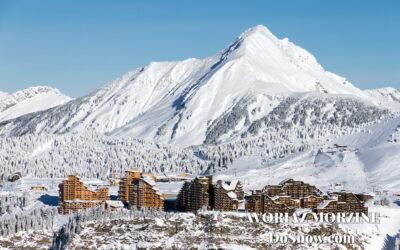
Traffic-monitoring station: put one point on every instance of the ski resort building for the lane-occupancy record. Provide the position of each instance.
(143, 193)
(139, 190)
(311, 201)
(75, 196)
(259, 202)
(227, 195)
(126, 183)
(286, 197)
(38, 188)
(292, 188)
(291, 195)
(254, 202)
(342, 202)
(279, 204)
(202, 193)
(195, 194)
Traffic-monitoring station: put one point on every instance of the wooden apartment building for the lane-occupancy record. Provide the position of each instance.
(144, 194)
(290, 195)
(75, 196)
(227, 195)
(139, 190)
(202, 193)
(255, 202)
(292, 188)
(311, 201)
(125, 184)
(195, 194)
(286, 197)
(342, 202)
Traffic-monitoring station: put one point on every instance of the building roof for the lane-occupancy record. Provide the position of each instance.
(91, 188)
(313, 195)
(274, 198)
(300, 211)
(135, 170)
(229, 185)
(152, 183)
(149, 180)
(115, 203)
(232, 195)
(83, 201)
(325, 203)
(285, 180)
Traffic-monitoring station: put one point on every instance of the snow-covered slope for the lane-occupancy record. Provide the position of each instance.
(368, 162)
(388, 97)
(29, 100)
(3, 95)
(177, 102)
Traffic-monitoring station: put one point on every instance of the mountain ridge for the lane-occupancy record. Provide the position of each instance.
(29, 100)
(176, 102)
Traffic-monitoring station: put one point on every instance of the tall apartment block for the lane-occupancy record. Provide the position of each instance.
(125, 184)
(75, 196)
(202, 193)
(342, 202)
(140, 191)
(227, 195)
(195, 194)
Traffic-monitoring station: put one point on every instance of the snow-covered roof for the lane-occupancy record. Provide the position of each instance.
(229, 186)
(149, 180)
(232, 195)
(92, 188)
(115, 203)
(285, 180)
(301, 211)
(83, 201)
(370, 193)
(274, 198)
(324, 203)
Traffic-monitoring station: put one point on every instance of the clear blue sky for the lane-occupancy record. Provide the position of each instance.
(78, 46)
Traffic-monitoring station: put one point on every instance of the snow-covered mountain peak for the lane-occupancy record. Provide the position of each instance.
(35, 90)
(30, 100)
(260, 41)
(256, 32)
(188, 102)
(251, 43)
(274, 65)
